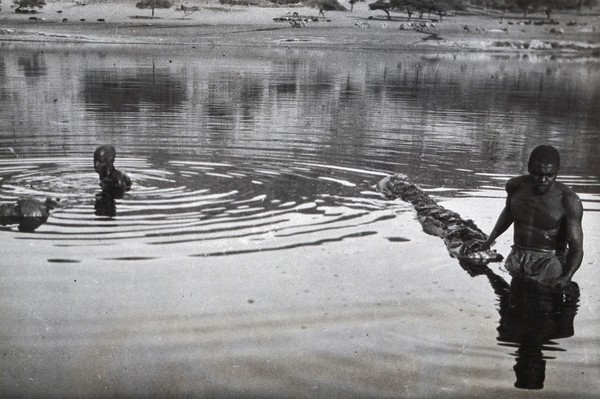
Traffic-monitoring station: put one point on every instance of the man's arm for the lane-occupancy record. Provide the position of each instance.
(574, 215)
(505, 220)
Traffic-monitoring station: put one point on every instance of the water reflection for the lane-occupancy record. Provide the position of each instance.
(220, 111)
(531, 317)
(33, 65)
(410, 113)
(133, 91)
(105, 205)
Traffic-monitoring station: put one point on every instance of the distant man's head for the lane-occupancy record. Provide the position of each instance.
(543, 166)
(104, 158)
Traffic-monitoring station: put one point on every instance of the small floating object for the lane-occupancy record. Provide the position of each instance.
(29, 213)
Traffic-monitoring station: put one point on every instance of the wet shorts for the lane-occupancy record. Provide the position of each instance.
(542, 266)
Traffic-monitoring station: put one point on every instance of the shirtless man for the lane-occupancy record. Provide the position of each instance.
(112, 181)
(548, 238)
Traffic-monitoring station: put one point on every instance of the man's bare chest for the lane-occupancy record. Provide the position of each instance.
(541, 211)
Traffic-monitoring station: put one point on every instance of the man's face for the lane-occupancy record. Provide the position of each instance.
(102, 163)
(543, 176)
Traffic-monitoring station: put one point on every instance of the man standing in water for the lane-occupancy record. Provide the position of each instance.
(548, 238)
(112, 181)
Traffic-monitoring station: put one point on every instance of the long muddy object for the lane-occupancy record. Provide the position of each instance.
(439, 221)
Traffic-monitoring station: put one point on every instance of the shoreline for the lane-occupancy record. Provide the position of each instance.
(536, 47)
(254, 26)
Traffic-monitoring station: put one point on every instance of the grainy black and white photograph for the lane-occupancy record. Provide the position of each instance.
(282, 199)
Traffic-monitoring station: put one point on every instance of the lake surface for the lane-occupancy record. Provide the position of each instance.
(253, 256)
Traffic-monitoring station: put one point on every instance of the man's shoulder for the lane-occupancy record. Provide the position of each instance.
(566, 190)
(570, 198)
(121, 177)
(118, 174)
(513, 184)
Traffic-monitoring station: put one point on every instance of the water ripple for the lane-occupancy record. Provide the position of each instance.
(188, 203)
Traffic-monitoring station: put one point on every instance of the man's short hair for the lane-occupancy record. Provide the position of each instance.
(544, 154)
(105, 151)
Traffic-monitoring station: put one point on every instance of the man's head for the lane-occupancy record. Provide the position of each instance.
(543, 166)
(544, 154)
(104, 158)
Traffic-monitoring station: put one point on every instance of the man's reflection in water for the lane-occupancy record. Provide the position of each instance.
(105, 205)
(531, 316)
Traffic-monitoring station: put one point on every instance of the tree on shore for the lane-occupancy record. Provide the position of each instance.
(549, 6)
(28, 4)
(409, 6)
(352, 3)
(153, 4)
(381, 5)
(438, 7)
(327, 5)
(441, 7)
(527, 6)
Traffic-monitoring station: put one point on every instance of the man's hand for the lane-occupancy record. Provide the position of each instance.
(563, 282)
(475, 245)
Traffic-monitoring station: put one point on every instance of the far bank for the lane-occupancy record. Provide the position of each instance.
(217, 25)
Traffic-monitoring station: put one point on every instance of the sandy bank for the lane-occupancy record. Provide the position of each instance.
(215, 25)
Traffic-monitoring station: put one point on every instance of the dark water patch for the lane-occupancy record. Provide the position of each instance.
(79, 227)
(547, 346)
(33, 65)
(397, 239)
(132, 258)
(86, 244)
(64, 261)
(132, 91)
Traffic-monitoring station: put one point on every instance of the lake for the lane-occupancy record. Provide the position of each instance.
(253, 256)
